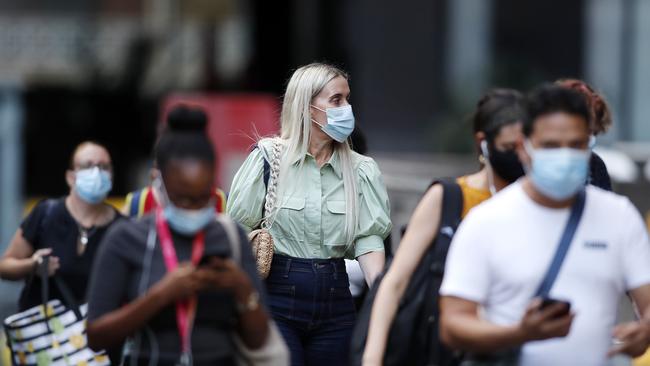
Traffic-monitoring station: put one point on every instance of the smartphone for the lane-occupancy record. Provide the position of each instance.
(547, 301)
(205, 260)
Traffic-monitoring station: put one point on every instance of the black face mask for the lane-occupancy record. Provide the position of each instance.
(505, 164)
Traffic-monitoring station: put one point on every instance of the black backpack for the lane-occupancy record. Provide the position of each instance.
(414, 338)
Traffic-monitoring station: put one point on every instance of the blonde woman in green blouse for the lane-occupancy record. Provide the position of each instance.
(331, 204)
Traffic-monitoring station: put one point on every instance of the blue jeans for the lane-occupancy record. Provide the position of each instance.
(311, 303)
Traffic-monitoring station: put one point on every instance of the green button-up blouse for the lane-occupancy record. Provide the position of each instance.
(310, 222)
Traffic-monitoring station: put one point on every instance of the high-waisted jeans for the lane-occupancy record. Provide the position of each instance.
(311, 303)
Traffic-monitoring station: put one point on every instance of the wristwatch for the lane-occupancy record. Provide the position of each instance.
(252, 303)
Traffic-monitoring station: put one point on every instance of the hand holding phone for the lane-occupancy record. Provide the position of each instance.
(546, 318)
(206, 260)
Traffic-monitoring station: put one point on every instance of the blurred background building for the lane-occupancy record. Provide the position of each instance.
(72, 70)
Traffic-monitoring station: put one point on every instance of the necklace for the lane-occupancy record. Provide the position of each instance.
(82, 238)
(84, 234)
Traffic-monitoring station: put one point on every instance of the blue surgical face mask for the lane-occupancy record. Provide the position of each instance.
(92, 184)
(184, 221)
(340, 122)
(188, 222)
(558, 173)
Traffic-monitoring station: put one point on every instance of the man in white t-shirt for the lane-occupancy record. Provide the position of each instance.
(504, 247)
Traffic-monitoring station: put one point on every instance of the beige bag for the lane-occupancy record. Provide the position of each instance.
(261, 239)
(274, 352)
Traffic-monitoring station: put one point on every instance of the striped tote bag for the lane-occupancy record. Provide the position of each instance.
(52, 333)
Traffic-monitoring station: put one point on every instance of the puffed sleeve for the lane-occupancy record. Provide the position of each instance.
(247, 192)
(374, 209)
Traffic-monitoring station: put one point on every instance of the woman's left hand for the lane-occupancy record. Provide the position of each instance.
(372, 264)
(222, 273)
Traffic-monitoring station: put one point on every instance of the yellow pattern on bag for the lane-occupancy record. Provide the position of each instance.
(77, 341)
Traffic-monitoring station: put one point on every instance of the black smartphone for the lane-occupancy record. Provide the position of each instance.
(547, 301)
(205, 260)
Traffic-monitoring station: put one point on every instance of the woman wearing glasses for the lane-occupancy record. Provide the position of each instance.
(68, 229)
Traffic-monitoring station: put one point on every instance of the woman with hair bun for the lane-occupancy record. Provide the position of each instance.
(144, 200)
(167, 280)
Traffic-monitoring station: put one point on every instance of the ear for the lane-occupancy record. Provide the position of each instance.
(478, 138)
(70, 178)
(154, 173)
(523, 155)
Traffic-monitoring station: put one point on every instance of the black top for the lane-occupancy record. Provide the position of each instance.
(120, 268)
(50, 225)
(598, 175)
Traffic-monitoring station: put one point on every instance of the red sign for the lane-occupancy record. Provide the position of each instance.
(235, 123)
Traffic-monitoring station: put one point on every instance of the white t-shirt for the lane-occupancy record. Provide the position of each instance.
(504, 247)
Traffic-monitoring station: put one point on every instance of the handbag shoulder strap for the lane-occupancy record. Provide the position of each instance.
(42, 269)
(64, 290)
(272, 184)
(36, 271)
(563, 246)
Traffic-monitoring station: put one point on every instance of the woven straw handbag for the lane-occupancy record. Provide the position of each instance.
(261, 238)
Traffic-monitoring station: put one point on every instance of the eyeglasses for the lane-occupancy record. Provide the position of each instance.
(103, 166)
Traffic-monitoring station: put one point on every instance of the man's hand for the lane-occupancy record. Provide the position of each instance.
(538, 324)
(631, 339)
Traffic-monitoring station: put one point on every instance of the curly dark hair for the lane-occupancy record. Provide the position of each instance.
(601, 117)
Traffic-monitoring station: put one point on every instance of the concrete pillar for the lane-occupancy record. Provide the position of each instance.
(11, 163)
(469, 53)
(603, 61)
(11, 184)
(640, 66)
(617, 62)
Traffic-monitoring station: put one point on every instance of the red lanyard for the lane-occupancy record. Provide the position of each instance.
(185, 310)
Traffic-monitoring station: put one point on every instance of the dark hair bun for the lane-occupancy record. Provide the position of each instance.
(187, 119)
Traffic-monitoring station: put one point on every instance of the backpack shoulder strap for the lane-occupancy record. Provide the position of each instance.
(452, 204)
(134, 203)
(233, 236)
(450, 217)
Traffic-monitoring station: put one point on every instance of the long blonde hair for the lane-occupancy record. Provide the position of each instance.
(305, 84)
